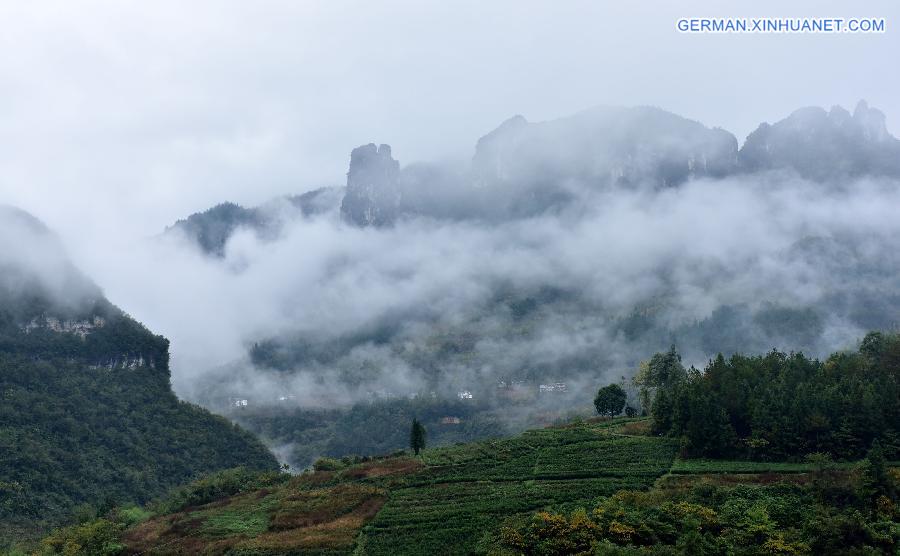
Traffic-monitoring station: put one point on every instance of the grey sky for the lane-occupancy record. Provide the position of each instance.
(116, 118)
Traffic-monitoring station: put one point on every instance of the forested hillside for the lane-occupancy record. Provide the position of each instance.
(88, 419)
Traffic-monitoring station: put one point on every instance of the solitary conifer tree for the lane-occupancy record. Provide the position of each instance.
(417, 436)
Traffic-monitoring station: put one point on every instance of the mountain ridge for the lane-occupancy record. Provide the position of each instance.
(521, 168)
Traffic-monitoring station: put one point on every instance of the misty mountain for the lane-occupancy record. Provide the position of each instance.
(603, 147)
(210, 230)
(825, 146)
(87, 414)
(519, 169)
(561, 255)
(522, 169)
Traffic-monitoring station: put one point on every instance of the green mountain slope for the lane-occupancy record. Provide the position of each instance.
(87, 414)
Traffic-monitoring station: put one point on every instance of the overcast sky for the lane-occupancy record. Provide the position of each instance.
(116, 118)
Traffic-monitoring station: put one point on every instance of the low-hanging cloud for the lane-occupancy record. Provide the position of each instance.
(680, 253)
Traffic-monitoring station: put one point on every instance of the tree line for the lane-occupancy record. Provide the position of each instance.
(778, 406)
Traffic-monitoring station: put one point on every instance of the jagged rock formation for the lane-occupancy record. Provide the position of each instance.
(825, 146)
(521, 169)
(373, 196)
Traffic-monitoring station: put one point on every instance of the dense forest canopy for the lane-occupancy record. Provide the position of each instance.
(780, 406)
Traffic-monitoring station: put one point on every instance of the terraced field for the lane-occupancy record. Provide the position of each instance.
(297, 518)
(465, 491)
(443, 503)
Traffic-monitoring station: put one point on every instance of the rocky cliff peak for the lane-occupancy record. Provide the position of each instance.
(373, 195)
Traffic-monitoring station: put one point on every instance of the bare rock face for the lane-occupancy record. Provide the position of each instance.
(373, 196)
(825, 146)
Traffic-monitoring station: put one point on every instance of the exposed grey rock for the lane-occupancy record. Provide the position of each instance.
(373, 195)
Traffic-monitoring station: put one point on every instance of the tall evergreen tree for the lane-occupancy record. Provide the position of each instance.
(873, 480)
(417, 436)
